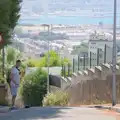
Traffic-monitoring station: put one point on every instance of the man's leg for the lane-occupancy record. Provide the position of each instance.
(14, 94)
(13, 100)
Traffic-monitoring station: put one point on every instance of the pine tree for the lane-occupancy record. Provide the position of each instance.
(14, 12)
(9, 16)
(4, 21)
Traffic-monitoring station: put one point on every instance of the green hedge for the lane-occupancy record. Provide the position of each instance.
(34, 87)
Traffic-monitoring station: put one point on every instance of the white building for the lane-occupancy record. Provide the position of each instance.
(95, 45)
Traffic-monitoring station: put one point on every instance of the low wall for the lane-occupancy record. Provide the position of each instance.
(3, 94)
(93, 91)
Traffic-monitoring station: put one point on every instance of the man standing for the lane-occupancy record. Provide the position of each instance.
(15, 81)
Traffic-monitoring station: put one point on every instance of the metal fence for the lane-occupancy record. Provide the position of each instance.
(85, 62)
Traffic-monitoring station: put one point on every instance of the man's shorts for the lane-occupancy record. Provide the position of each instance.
(14, 90)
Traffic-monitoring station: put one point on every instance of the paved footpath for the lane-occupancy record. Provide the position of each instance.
(60, 113)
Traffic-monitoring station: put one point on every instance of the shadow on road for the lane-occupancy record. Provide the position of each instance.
(35, 114)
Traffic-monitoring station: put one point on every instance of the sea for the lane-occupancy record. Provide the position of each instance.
(67, 20)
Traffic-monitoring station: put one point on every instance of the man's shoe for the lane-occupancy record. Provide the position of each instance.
(13, 108)
(27, 106)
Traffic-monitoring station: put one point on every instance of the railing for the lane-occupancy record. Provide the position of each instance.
(82, 63)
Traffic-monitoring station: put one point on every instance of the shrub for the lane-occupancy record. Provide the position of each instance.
(65, 61)
(59, 98)
(23, 70)
(2, 79)
(34, 87)
(30, 64)
(8, 75)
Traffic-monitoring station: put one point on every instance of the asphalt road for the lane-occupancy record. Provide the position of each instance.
(60, 113)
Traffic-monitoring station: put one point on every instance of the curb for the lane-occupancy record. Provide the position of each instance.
(116, 109)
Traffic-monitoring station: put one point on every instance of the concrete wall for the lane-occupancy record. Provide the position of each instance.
(93, 91)
(3, 95)
(94, 87)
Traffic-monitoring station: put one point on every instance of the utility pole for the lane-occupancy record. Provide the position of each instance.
(114, 56)
(73, 65)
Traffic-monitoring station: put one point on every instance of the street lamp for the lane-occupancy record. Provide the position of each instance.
(114, 57)
(48, 81)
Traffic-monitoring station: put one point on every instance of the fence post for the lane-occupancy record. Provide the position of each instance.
(105, 50)
(97, 56)
(73, 65)
(90, 59)
(84, 62)
(68, 70)
(81, 64)
(64, 72)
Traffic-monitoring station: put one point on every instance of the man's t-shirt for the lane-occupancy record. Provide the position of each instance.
(15, 76)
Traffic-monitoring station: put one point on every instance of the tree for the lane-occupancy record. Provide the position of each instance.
(9, 15)
(14, 13)
(4, 20)
(54, 59)
(11, 55)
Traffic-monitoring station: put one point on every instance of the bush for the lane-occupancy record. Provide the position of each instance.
(65, 61)
(23, 70)
(2, 80)
(30, 63)
(8, 75)
(59, 98)
(34, 87)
